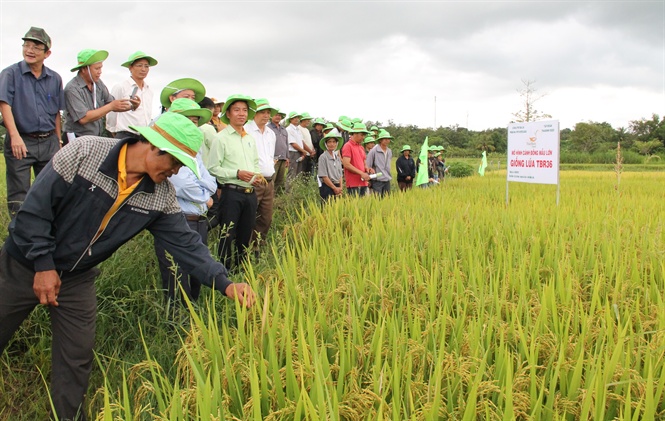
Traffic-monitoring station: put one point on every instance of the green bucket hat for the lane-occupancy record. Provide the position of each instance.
(406, 148)
(176, 134)
(88, 57)
(383, 134)
(369, 139)
(320, 121)
(358, 128)
(291, 115)
(432, 148)
(179, 85)
(305, 116)
(39, 35)
(189, 108)
(280, 112)
(345, 124)
(251, 106)
(329, 126)
(373, 129)
(334, 134)
(356, 120)
(262, 104)
(138, 56)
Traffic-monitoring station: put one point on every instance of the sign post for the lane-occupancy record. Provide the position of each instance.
(533, 153)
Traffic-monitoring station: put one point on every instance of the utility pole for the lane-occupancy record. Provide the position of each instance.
(434, 112)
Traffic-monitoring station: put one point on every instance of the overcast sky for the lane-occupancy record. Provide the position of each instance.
(380, 61)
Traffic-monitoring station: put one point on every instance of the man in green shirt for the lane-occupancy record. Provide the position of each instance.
(233, 160)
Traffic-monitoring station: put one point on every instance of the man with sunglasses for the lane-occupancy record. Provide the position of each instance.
(31, 97)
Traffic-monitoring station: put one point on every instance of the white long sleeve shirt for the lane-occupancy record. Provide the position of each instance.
(141, 117)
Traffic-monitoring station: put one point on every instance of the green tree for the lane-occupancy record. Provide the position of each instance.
(647, 148)
(591, 137)
(456, 136)
(484, 141)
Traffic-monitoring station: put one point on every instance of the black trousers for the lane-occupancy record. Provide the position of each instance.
(237, 217)
(326, 192)
(172, 275)
(72, 325)
(40, 152)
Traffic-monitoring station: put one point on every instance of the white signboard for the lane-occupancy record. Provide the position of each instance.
(533, 152)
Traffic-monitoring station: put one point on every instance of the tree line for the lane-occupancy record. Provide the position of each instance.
(642, 138)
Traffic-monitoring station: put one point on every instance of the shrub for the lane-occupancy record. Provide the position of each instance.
(460, 169)
(607, 157)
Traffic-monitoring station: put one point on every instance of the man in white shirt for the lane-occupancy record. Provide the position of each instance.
(297, 152)
(139, 65)
(265, 145)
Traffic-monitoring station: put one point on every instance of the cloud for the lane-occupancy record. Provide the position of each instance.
(376, 60)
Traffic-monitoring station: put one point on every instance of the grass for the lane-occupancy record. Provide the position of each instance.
(435, 304)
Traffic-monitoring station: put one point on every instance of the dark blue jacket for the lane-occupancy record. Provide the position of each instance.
(64, 209)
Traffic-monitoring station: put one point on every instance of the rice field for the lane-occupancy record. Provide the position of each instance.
(440, 303)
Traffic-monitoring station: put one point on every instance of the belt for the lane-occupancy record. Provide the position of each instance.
(40, 135)
(195, 218)
(246, 190)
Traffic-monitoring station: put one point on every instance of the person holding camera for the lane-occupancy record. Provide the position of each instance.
(88, 100)
(117, 124)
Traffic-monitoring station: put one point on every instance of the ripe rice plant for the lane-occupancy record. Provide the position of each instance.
(440, 303)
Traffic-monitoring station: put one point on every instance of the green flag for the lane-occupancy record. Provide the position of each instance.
(423, 177)
(483, 165)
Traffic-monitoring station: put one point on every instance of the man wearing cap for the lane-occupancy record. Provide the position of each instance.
(369, 143)
(317, 134)
(117, 124)
(209, 135)
(281, 150)
(216, 122)
(194, 198)
(307, 163)
(265, 192)
(31, 98)
(379, 159)
(209, 131)
(182, 88)
(90, 199)
(356, 172)
(406, 169)
(234, 161)
(344, 124)
(297, 152)
(329, 169)
(87, 99)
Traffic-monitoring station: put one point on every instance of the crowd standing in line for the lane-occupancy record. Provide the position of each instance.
(225, 162)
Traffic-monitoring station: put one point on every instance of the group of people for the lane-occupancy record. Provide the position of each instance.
(96, 193)
(101, 179)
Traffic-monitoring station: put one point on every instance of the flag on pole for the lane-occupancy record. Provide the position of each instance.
(483, 165)
(423, 175)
